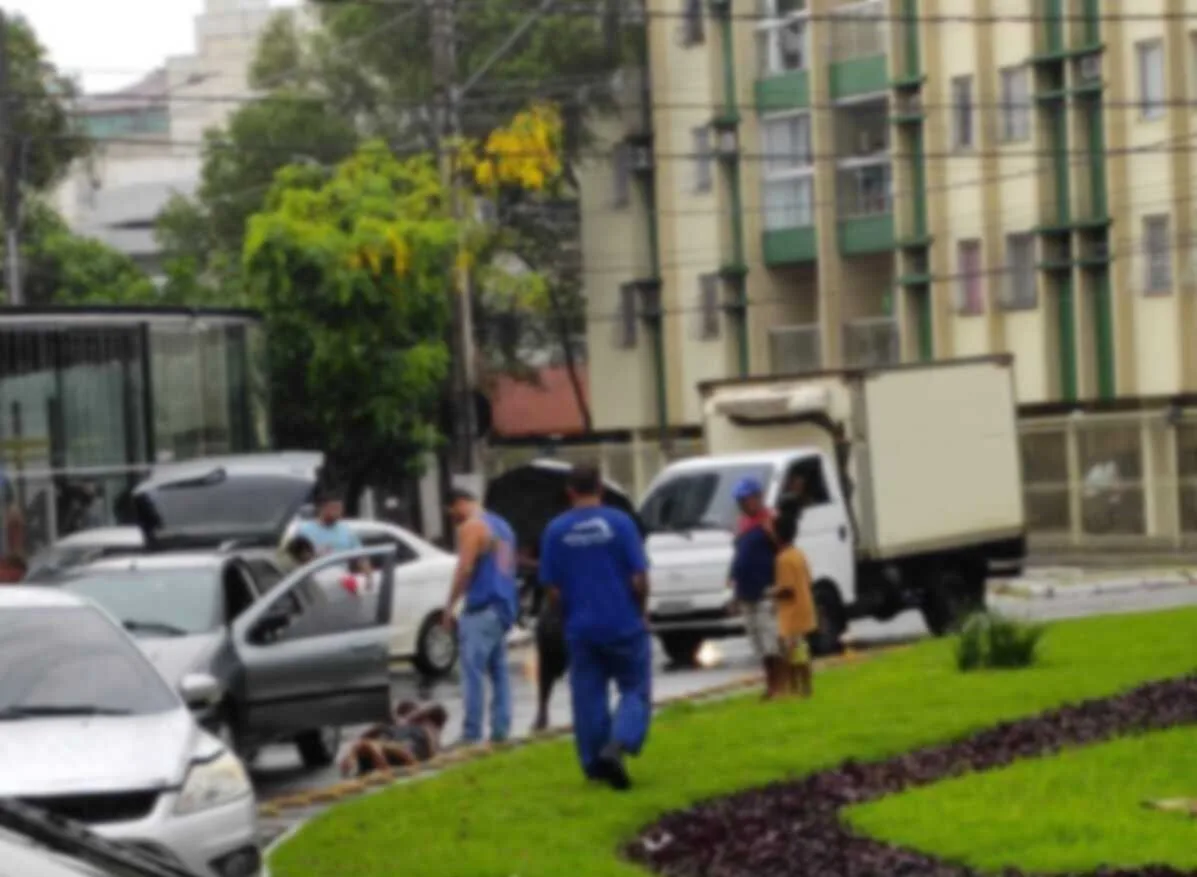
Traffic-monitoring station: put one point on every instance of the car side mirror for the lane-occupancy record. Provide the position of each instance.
(199, 690)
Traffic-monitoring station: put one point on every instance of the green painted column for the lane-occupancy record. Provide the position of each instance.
(731, 117)
(919, 173)
(1103, 328)
(910, 17)
(926, 325)
(1068, 340)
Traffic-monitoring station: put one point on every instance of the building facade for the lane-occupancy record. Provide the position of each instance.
(817, 184)
(148, 136)
(91, 397)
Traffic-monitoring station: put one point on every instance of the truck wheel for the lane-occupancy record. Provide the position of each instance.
(831, 619)
(951, 597)
(436, 648)
(682, 648)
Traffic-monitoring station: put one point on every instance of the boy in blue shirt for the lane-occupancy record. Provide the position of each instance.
(592, 561)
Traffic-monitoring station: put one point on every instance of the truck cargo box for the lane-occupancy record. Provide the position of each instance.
(929, 453)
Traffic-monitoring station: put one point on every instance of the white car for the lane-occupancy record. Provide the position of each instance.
(89, 731)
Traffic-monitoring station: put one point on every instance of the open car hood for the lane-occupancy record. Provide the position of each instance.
(530, 496)
(205, 503)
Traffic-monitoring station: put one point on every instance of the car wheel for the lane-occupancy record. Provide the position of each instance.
(319, 748)
(436, 647)
(682, 648)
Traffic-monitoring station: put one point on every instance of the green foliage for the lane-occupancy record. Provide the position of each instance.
(351, 270)
(489, 817)
(1066, 814)
(60, 267)
(990, 640)
(41, 111)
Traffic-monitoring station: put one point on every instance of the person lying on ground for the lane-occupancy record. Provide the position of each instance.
(413, 737)
(795, 605)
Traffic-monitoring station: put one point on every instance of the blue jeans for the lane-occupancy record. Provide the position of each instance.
(483, 637)
(592, 669)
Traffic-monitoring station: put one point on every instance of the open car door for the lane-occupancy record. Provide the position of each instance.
(315, 651)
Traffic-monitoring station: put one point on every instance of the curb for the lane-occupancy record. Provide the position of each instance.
(1048, 590)
(277, 808)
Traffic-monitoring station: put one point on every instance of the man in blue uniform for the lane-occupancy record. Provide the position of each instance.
(592, 560)
(485, 579)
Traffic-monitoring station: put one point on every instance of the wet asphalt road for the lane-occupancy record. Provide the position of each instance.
(278, 771)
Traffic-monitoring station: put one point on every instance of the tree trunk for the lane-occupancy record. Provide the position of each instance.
(571, 363)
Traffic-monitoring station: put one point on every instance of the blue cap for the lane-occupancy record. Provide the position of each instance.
(745, 488)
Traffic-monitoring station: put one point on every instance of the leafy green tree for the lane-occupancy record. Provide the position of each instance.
(60, 267)
(351, 270)
(46, 139)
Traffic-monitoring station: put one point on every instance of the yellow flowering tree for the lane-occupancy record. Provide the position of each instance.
(351, 270)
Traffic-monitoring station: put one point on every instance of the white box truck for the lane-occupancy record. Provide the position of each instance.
(912, 495)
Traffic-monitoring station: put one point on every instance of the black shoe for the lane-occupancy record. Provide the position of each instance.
(609, 768)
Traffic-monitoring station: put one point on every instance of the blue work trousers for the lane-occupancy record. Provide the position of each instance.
(592, 668)
(483, 641)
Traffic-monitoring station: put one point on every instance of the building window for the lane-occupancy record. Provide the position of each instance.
(970, 284)
(782, 37)
(1151, 79)
(626, 325)
(703, 159)
(788, 177)
(708, 307)
(692, 26)
(621, 168)
(1016, 104)
(1157, 253)
(962, 112)
(1020, 289)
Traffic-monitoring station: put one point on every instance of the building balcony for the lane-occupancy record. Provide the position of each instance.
(864, 203)
(859, 42)
(795, 349)
(872, 343)
(783, 61)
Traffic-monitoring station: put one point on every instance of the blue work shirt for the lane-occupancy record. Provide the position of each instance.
(492, 584)
(591, 555)
(752, 565)
(329, 539)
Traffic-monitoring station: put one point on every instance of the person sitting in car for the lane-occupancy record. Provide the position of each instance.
(413, 737)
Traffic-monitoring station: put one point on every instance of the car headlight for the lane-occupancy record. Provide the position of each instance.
(212, 783)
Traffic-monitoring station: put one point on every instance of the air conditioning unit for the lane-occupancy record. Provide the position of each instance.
(1090, 67)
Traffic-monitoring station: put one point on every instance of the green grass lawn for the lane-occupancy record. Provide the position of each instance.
(529, 814)
(1057, 815)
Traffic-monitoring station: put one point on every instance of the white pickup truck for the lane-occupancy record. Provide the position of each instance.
(911, 478)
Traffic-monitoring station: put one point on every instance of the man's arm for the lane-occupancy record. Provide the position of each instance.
(471, 542)
(637, 563)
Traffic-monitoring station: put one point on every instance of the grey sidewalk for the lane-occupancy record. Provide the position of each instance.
(1077, 583)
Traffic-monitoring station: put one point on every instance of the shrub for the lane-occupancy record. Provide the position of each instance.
(990, 640)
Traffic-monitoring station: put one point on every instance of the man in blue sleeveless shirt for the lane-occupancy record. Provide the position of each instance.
(485, 579)
(592, 560)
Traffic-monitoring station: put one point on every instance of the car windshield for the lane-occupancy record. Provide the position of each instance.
(700, 499)
(155, 602)
(64, 661)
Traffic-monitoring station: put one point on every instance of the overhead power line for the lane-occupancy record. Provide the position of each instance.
(634, 12)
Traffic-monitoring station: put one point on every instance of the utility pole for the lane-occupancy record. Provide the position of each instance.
(10, 155)
(449, 129)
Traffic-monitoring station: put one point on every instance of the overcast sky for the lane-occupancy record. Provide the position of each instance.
(110, 43)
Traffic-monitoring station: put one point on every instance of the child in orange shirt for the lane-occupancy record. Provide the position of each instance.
(795, 605)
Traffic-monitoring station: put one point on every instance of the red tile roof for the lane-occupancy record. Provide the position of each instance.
(548, 407)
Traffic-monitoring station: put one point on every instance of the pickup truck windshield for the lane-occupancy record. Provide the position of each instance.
(699, 499)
